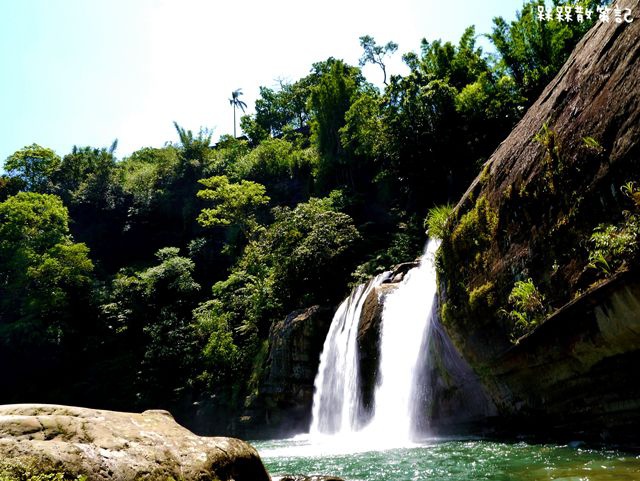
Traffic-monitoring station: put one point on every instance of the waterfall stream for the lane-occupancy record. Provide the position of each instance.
(403, 337)
(336, 399)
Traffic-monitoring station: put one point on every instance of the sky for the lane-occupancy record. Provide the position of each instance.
(86, 72)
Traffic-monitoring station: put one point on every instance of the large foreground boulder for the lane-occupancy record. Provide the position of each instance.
(108, 445)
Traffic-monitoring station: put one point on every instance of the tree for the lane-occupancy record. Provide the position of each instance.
(236, 103)
(86, 176)
(151, 313)
(47, 312)
(34, 165)
(236, 203)
(308, 245)
(534, 51)
(282, 109)
(361, 134)
(43, 273)
(146, 175)
(287, 264)
(441, 121)
(194, 148)
(374, 53)
(226, 153)
(9, 186)
(285, 169)
(331, 97)
(220, 354)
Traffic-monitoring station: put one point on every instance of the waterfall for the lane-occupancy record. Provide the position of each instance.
(405, 326)
(406, 319)
(336, 399)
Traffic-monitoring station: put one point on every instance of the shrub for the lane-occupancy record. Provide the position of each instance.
(611, 246)
(436, 221)
(527, 308)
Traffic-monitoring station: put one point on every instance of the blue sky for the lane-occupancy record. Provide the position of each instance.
(85, 72)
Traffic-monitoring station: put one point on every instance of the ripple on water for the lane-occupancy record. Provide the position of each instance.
(447, 460)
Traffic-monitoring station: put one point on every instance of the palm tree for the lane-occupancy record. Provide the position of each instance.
(236, 102)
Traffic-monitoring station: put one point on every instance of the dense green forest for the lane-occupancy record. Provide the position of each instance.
(152, 280)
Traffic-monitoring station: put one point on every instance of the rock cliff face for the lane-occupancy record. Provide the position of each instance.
(116, 446)
(529, 215)
(578, 370)
(284, 399)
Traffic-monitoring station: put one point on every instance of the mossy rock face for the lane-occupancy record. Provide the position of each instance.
(533, 209)
(529, 217)
(64, 442)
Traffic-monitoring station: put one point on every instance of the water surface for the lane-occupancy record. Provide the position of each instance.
(438, 460)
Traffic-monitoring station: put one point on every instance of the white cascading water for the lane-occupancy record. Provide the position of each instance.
(405, 322)
(405, 329)
(336, 399)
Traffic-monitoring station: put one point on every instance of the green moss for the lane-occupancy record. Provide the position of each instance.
(473, 234)
(445, 313)
(592, 143)
(482, 297)
(484, 175)
(464, 255)
(508, 192)
(257, 372)
(33, 470)
(554, 164)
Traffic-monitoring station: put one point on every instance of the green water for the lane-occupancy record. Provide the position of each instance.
(448, 460)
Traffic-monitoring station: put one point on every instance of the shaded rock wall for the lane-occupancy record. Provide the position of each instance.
(452, 400)
(285, 396)
(578, 372)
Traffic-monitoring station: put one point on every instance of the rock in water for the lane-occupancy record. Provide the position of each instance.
(369, 340)
(118, 446)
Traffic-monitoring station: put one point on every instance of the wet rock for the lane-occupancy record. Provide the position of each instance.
(369, 332)
(117, 446)
(283, 405)
(399, 271)
(369, 341)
